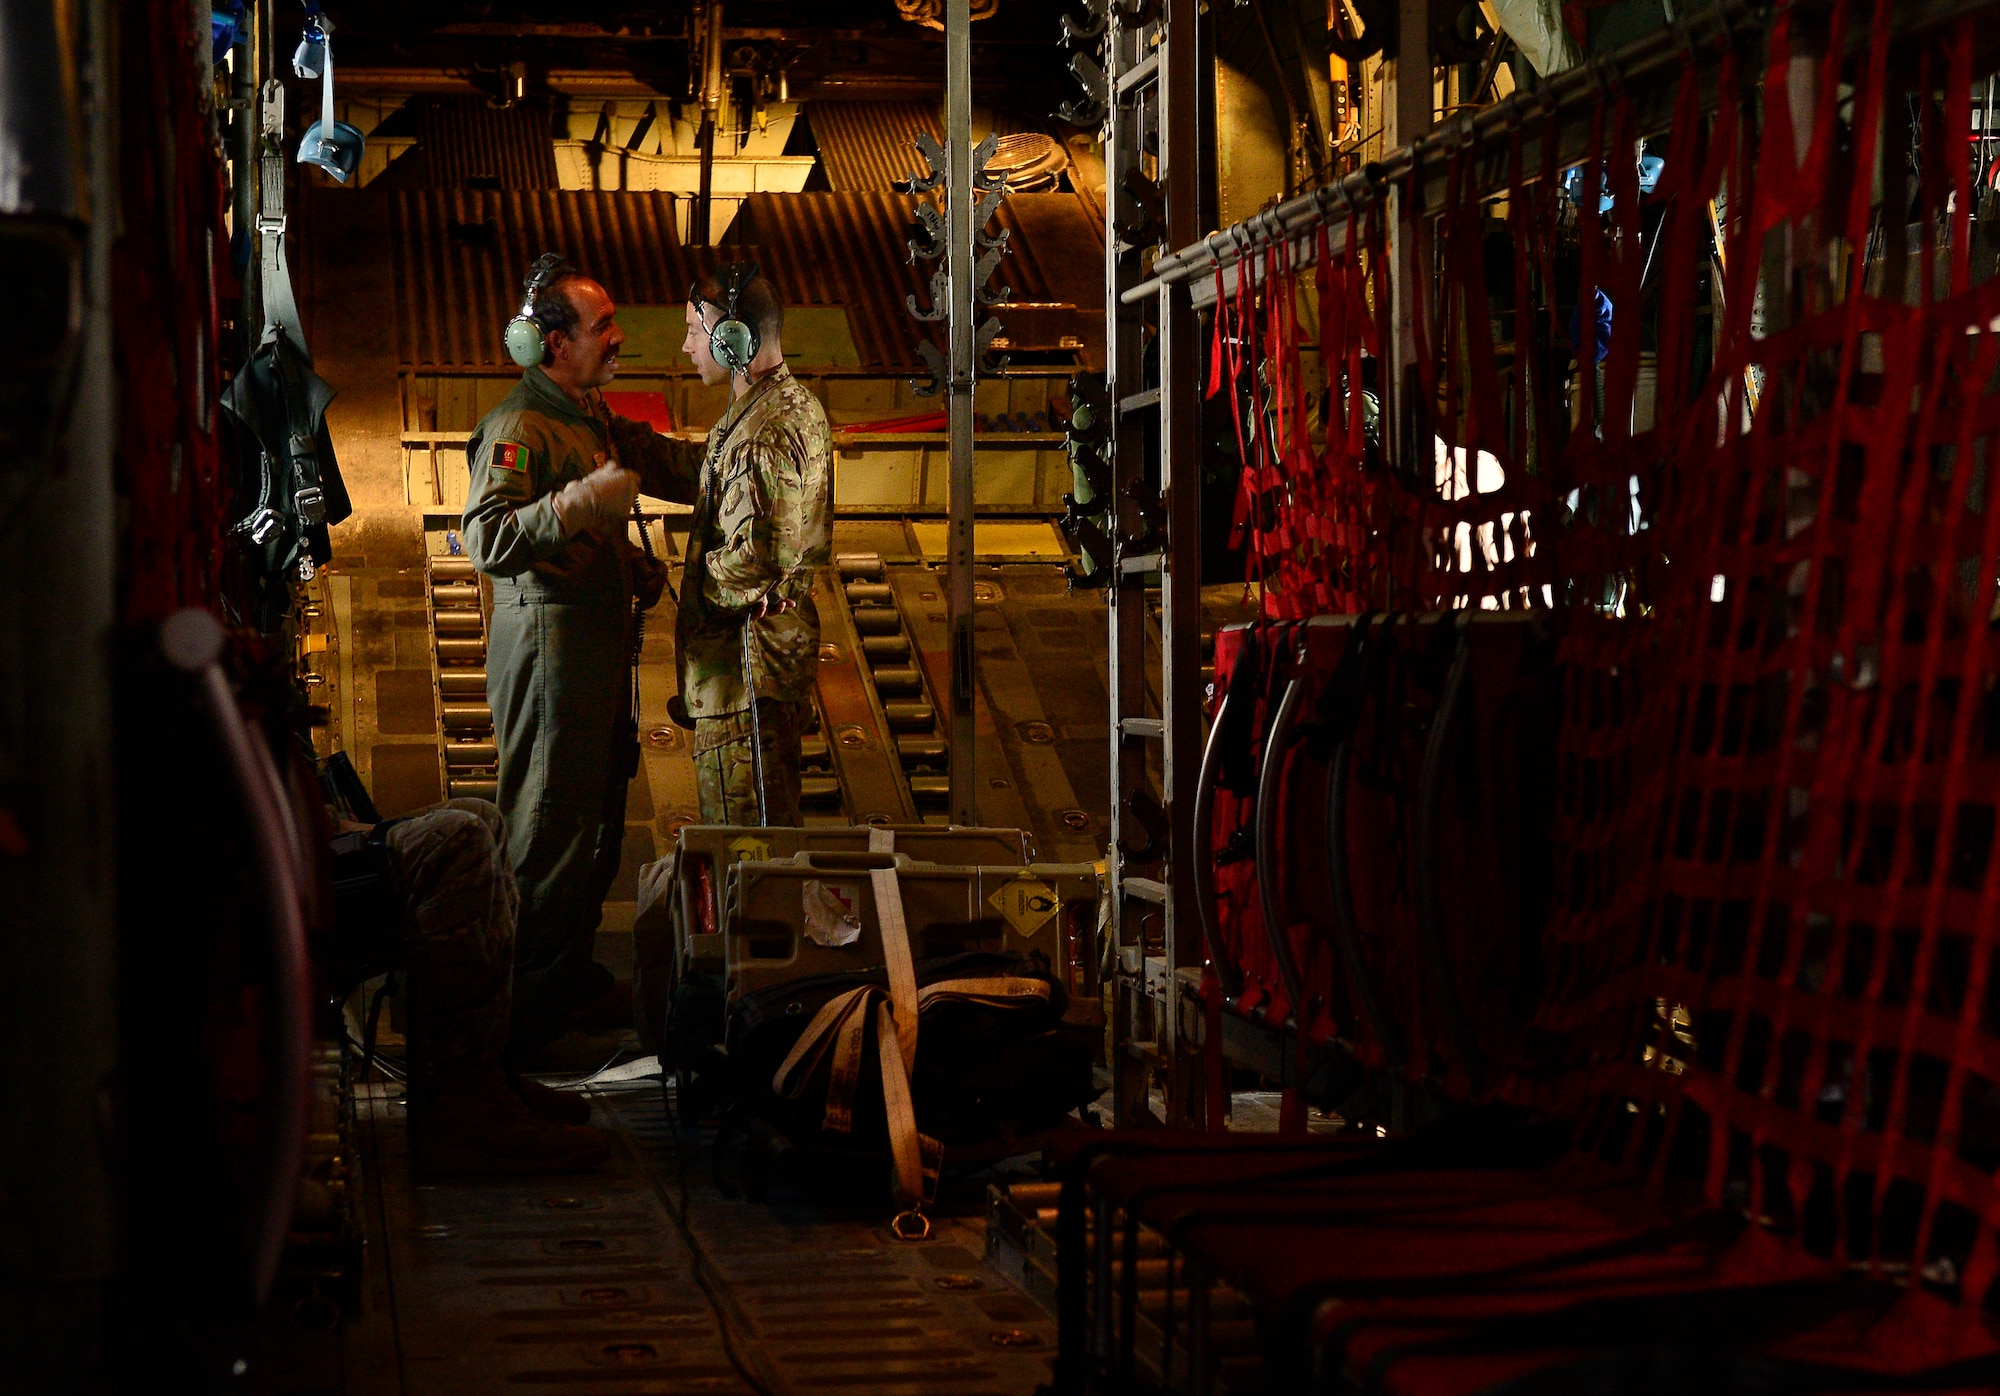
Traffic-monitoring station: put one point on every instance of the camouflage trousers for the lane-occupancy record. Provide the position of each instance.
(451, 863)
(726, 778)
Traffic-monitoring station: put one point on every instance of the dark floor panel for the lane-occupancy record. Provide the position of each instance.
(644, 1278)
(404, 706)
(404, 777)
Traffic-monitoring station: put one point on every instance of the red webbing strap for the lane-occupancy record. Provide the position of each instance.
(1330, 281)
(1761, 451)
(1329, 504)
(1288, 517)
(1243, 523)
(1340, 507)
(1840, 845)
(1216, 350)
(1262, 470)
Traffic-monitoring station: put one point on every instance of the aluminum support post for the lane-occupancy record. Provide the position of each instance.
(960, 197)
(1180, 487)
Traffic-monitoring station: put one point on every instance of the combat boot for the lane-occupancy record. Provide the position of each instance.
(548, 1103)
(477, 1124)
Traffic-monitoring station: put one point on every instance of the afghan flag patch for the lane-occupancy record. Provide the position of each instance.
(509, 455)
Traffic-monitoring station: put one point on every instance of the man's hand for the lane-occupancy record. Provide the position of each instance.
(771, 604)
(600, 502)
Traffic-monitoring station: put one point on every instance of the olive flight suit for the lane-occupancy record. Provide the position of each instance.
(762, 491)
(558, 678)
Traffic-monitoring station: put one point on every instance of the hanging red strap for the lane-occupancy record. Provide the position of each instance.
(1216, 350)
(1330, 284)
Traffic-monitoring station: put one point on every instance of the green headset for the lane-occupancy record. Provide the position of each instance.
(524, 336)
(733, 340)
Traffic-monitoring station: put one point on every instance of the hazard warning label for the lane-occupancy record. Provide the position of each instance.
(749, 849)
(1027, 903)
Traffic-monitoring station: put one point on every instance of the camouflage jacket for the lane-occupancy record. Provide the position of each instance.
(521, 453)
(762, 491)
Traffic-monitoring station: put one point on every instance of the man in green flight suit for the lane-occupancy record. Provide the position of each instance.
(546, 517)
(762, 491)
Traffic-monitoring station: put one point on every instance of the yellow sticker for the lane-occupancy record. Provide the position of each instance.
(749, 849)
(1027, 903)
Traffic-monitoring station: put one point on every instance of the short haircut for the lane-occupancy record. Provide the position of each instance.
(758, 302)
(555, 311)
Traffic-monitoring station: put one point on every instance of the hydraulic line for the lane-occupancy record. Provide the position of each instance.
(1270, 782)
(1227, 971)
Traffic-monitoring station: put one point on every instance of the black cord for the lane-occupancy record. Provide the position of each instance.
(700, 1266)
(392, 1067)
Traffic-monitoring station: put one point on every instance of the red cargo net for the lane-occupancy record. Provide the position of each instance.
(1780, 792)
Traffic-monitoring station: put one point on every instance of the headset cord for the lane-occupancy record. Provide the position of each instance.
(638, 614)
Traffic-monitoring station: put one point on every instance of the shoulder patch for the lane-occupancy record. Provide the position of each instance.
(509, 455)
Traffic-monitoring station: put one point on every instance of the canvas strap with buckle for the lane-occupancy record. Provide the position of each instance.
(840, 1029)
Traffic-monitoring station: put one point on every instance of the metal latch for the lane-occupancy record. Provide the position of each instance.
(261, 527)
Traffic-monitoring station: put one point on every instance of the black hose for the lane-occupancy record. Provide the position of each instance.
(1270, 782)
(1346, 921)
(1227, 971)
(193, 642)
(1430, 916)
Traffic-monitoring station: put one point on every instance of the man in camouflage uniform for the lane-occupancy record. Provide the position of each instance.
(762, 491)
(468, 1113)
(546, 517)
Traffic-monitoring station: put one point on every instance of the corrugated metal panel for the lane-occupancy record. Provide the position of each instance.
(845, 250)
(464, 141)
(864, 145)
(461, 253)
(848, 249)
